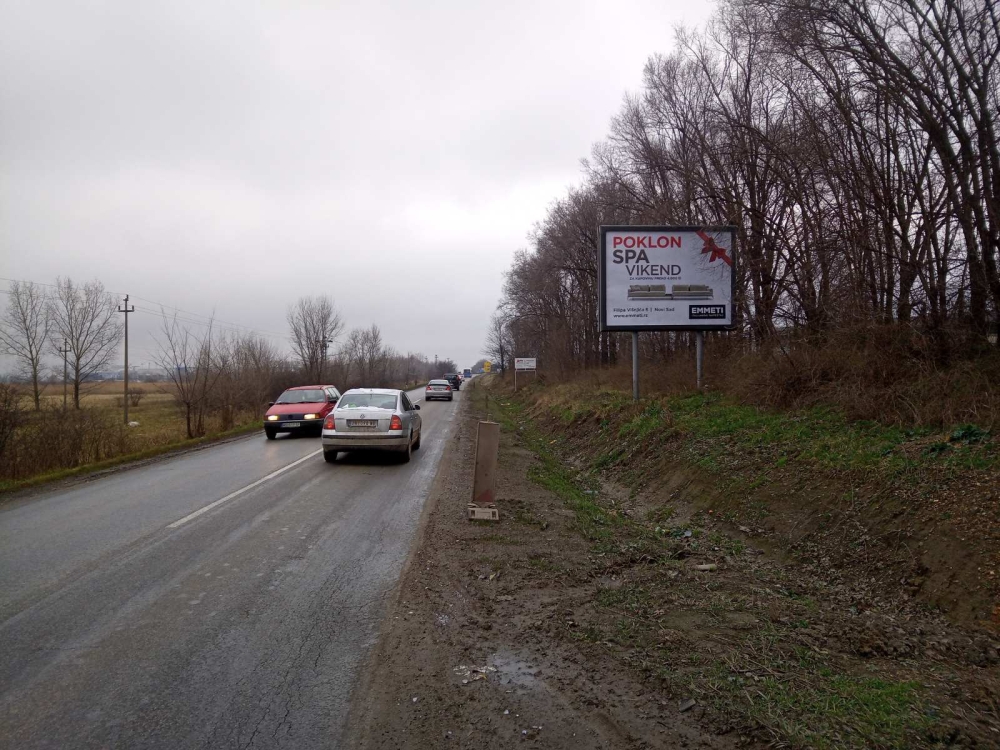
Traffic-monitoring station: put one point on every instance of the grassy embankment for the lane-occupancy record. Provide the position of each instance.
(775, 647)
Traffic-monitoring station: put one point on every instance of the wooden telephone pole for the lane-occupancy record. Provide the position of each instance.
(65, 354)
(126, 310)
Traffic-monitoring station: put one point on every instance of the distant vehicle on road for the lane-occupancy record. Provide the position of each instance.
(467, 374)
(300, 409)
(439, 389)
(372, 419)
(455, 379)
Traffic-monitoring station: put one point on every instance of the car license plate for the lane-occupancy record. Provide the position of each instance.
(291, 424)
(362, 424)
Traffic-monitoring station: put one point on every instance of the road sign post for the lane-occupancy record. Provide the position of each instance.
(665, 278)
(699, 353)
(635, 365)
(524, 364)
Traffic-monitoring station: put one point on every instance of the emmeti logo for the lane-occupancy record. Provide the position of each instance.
(707, 312)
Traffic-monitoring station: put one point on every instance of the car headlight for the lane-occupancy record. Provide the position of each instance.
(309, 416)
(272, 418)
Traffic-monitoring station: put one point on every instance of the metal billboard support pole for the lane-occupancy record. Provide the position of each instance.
(699, 349)
(635, 365)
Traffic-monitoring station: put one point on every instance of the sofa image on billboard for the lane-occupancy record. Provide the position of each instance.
(677, 291)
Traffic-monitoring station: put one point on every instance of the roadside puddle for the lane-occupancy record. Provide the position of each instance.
(512, 670)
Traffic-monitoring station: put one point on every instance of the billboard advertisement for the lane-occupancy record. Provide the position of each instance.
(655, 278)
(524, 363)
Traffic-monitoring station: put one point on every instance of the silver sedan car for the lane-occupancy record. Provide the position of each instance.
(439, 389)
(372, 419)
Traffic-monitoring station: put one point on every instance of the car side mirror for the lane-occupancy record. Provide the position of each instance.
(417, 407)
(270, 403)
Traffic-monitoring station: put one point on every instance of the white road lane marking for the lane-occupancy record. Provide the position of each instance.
(231, 495)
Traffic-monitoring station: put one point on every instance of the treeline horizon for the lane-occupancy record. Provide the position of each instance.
(213, 368)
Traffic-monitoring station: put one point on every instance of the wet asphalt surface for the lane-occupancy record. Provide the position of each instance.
(124, 626)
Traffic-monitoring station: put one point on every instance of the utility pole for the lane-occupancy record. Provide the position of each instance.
(65, 352)
(324, 345)
(126, 310)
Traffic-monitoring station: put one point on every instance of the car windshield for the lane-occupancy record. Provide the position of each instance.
(301, 397)
(439, 382)
(367, 401)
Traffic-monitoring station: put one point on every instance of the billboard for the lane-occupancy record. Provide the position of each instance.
(524, 363)
(655, 278)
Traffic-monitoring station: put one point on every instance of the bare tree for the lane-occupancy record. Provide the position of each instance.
(189, 364)
(351, 358)
(87, 319)
(372, 356)
(258, 362)
(499, 343)
(24, 330)
(315, 324)
(245, 365)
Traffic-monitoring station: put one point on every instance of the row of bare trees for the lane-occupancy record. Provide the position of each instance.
(854, 145)
(219, 371)
(226, 373)
(361, 358)
(78, 322)
(232, 372)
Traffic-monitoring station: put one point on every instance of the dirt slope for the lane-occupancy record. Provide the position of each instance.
(505, 596)
(597, 614)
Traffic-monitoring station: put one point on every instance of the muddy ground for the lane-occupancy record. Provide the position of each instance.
(590, 617)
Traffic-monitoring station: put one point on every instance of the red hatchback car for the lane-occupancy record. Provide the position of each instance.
(300, 409)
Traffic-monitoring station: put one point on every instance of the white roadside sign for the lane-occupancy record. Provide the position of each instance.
(524, 363)
(666, 278)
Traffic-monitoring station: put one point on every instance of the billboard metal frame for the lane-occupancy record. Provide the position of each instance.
(602, 254)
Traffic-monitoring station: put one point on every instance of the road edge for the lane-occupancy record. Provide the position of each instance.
(83, 475)
(362, 690)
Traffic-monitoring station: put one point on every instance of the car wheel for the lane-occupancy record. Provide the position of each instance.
(329, 456)
(416, 445)
(451, 398)
(408, 451)
(271, 434)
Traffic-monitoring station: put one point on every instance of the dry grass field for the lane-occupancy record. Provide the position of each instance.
(53, 443)
(158, 415)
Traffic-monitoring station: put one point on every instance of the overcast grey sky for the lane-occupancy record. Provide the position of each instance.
(231, 157)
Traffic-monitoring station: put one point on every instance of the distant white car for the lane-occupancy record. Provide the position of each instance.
(372, 419)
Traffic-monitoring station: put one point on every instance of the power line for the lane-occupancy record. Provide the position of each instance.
(209, 317)
(208, 321)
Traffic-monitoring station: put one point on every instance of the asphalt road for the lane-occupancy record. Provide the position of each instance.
(130, 620)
